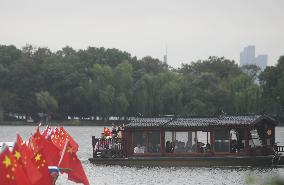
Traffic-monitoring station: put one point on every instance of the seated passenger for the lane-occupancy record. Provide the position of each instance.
(169, 147)
(208, 148)
(137, 149)
(194, 147)
(114, 131)
(188, 146)
(234, 146)
(180, 147)
(157, 148)
(143, 149)
(150, 148)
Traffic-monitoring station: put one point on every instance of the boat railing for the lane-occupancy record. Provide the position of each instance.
(108, 148)
(280, 149)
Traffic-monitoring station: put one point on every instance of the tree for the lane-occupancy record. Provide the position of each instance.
(252, 71)
(47, 103)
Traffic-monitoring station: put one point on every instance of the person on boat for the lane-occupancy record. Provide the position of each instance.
(180, 147)
(194, 147)
(114, 131)
(119, 132)
(137, 149)
(169, 147)
(157, 148)
(234, 146)
(150, 148)
(143, 149)
(208, 148)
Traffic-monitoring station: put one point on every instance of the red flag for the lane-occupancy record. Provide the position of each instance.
(40, 162)
(11, 172)
(26, 151)
(60, 137)
(71, 161)
(34, 141)
(52, 153)
(24, 160)
(19, 140)
(106, 131)
(47, 132)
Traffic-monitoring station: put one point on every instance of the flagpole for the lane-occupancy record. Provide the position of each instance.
(63, 152)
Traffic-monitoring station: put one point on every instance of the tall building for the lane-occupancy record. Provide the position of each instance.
(166, 55)
(247, 56)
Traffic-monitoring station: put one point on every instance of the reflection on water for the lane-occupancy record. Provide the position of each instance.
(109, 175)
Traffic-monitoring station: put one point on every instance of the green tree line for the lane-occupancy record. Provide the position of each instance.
(100, 82)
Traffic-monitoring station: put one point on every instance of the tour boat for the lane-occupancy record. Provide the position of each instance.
(193, 141)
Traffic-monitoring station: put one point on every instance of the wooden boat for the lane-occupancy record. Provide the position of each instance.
(195, 141)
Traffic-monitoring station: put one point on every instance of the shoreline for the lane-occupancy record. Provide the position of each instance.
(64, 123)
(72, 123)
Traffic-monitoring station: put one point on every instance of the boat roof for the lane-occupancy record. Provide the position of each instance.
(238, 121)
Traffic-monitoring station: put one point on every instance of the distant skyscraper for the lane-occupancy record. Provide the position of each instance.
(247, 56)
(166, 55)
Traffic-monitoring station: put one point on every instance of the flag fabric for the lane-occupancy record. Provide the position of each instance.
(40, 162)
(19, 140)
(28, 163)
(71, 161)
(24, 159)
(47, 132)
(59, 138)
(52, 153)
(33, 141)
(26, 151)
(106, 131)
(11, 172)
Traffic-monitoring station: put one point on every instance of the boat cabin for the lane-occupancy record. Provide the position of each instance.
(195, 136)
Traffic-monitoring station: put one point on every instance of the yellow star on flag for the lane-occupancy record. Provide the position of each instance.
(7, 161)
(38, 156)
(70, 150)
(17, 155)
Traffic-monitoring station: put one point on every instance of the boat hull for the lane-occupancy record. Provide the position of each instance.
(188, 161)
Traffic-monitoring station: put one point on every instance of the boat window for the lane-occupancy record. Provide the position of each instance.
(146, 142)
(180, 141)
(203, 141)
(169, 146)
(222, 140)
(187, 141)
(139, 141)
(237, 140)
(154, 145)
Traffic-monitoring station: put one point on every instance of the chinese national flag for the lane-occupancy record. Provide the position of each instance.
(24, 159)
(41, 164)
(11, 172)
(106, 131)
(33, 142)
(47, 132)
(71, 161)
(60, 137)
(19, 140)
(51, 152)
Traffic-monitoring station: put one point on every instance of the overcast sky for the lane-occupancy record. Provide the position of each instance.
(192, 29)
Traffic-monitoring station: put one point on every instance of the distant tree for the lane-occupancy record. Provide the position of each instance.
(252, 71)
(47, 103)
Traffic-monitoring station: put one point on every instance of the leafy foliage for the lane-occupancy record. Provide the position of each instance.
(99, 82)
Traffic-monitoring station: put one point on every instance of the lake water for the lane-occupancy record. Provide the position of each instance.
(111, 175)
